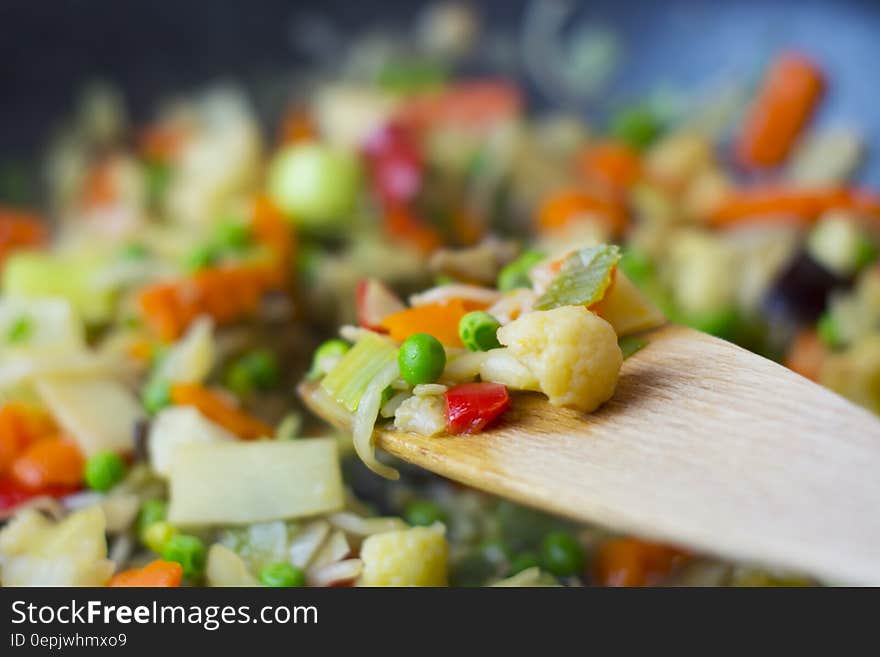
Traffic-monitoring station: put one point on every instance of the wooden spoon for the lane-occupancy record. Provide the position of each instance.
(704, 445)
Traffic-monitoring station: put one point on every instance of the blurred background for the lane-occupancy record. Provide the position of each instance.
(589, 56)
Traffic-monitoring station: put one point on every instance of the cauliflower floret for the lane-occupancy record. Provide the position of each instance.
(409, 557)
(501, 366)
(573, 353)
(34, 551)
(422, 415)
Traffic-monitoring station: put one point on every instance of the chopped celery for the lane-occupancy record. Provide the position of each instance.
(31, 274)
(583, 279)
(357, 368)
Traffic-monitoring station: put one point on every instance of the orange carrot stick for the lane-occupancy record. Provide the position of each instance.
(611, 164)
(788, 96)
(631, 562)
(792, 205)
(20, 426)
(49, 462)
(157, 573)
(218, 410)
(226, 293)
(569, 205)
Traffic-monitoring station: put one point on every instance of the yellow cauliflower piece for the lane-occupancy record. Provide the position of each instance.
(409, 557)
(573, 353)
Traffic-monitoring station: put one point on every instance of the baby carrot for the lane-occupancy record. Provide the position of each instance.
(788, 96)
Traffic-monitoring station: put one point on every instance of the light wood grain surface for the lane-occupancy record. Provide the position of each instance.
(704, 445)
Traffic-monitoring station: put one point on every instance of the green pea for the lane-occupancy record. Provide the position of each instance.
(315, 185)
(104, 470)
(421, 359)
(256, 370)
(636, 126)
(523, 561)
(829, 331)
(478, 331)
(327, 355)
(423, 513)
(200, 258)
(157, 395)
(282, 575)
(188, 551)
(232, 235)
(561, 554)
(20, 330)
(157, 536)
(516, 274)
(152, 511)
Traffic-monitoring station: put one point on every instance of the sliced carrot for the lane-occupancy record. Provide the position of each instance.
(20, 230)
(157, 573)
(611, 164)
(401, 223)
(631, 562)
(54, 461)
(438, 319)
(20, 426)
(560, 209)
(787, 99)
(219, 410)
(473, 104)
(275, 232)
(806, 354)
(227, 293)
(791, 205)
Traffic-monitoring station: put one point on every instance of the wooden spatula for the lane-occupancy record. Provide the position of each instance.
(703, 445)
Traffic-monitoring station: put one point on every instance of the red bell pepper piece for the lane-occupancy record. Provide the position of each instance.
(12, 493)
(471, 406)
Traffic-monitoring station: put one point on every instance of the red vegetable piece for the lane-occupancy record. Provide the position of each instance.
(12, 493)
(396, 165)
(472, 406)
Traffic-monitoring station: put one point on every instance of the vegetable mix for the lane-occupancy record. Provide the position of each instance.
(422, 246)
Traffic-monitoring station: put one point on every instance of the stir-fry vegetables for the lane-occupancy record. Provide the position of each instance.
(420, 250)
